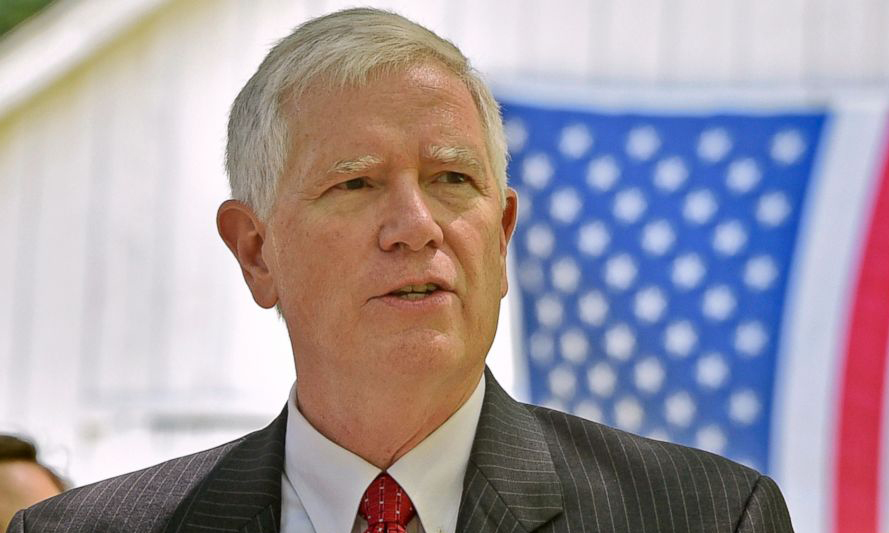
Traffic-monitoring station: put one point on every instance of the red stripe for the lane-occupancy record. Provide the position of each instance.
(863, 380)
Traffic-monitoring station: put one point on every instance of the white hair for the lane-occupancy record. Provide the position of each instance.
(342, 49)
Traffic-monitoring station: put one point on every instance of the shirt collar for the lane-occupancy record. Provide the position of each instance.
(331, 480)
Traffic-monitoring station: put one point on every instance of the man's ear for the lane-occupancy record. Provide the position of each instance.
(507, 223)
(244, 234)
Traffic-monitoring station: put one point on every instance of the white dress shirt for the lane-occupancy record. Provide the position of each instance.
(322, 483)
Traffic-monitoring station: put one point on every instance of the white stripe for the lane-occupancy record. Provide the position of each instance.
(815, 316)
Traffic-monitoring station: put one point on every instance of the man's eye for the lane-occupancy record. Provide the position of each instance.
(453, 177)
(353, 184)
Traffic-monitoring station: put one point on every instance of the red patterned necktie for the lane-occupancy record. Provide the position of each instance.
(385, 506)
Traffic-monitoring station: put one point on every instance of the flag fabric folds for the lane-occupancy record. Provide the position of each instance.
(716, 276)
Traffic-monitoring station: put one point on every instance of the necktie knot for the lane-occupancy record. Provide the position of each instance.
(385, 506)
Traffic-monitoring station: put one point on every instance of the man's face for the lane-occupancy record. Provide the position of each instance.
(387, 241)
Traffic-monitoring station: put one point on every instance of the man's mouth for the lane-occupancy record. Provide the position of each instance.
(415, 292)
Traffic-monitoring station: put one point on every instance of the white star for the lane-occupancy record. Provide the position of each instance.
(680, 338)
(537, 170)
(711, 370)
(643, 142)
(575, 141)
(714, 144)
(670, 174)
(574, 346)
(649, 375)
(562, 382)
(787, 147)
(743, 175)
(750, 338)
(601, 379)
(700, 206)
(772, 209)
(590, 411)
(629, 205)
(593, 308)
(729, 237)
(539, 240)
(718, 302)
(659, 434)
(760, 272)
(650, 304)
(688, 271)
(593, 238)
(744, 406)
(680, 409)
(628, 414)
(658, 237)
(602, 173)
(542, 347)
(620, 272)
(620, 342)
(711, 438)
(564, 205)
(531, 275)
(549, 311)
(565, 274)
(516, 135)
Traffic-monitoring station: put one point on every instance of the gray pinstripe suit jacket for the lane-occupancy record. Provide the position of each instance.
(531, 469)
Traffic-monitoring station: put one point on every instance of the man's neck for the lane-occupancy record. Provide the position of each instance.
(383, 423)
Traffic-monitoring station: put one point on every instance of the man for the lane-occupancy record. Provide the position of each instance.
(23, 480)
(367, 164)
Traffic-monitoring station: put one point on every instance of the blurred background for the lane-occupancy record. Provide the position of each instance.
(701, 257)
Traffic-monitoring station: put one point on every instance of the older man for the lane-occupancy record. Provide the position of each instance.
(370, 206)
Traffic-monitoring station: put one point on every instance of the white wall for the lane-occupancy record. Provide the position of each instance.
(126, 333)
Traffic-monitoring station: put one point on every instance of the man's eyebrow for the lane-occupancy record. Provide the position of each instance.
(460, 155)
(356, 165)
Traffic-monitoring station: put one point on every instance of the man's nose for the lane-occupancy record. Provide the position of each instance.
(407, 220)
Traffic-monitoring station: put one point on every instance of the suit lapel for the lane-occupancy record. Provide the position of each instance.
(510, 482)
(243, 492)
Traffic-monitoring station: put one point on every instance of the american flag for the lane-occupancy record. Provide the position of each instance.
(716, 277)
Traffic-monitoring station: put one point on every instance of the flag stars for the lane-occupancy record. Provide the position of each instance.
(680, 409)
(718, 303)
(629, 205)
(787, 147)
(602, 173)
(750, 338)
(593, 308)
(688, 271)
(650, 304)
(620, 272)
(574, 346)
(729, 237)
(575, 141)
(516, 135)
(593, 238)
(670, 174)
(711, 438)
(565, 275)
(699, 206)
(537, 170)
(658, 237)
(648, 375)
(680, 338)
(542, 347)
(772, 209)
(713, 145)
(743, 175)
(564, 206)
(642, 143)
(744, 407)
(711, 370)
(549, 311)
(562, 382)
(601, 379)
(590, 411)
(531, 275)
(539, 240)
(760, 272)
(620, 342)
(628, 414)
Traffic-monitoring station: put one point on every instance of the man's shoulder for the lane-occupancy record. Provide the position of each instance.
(137, 501)
(693, 489)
